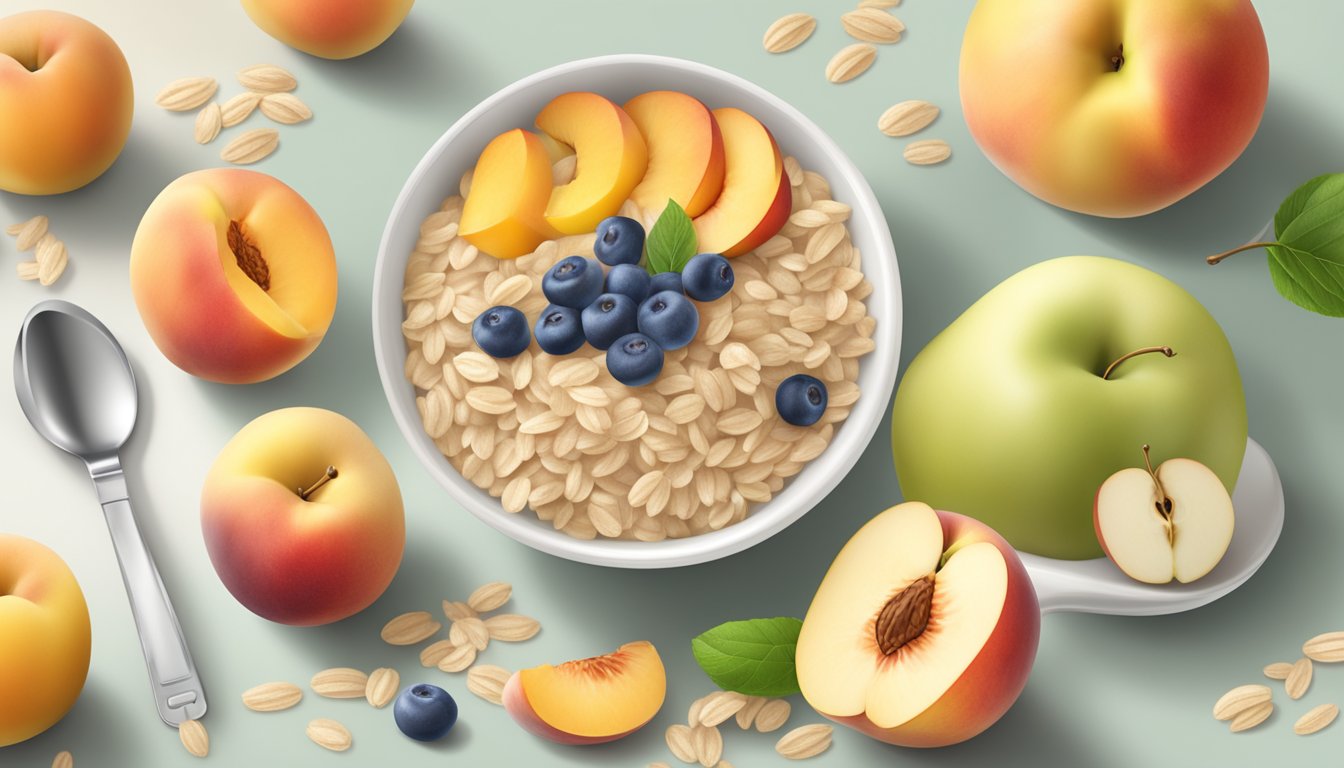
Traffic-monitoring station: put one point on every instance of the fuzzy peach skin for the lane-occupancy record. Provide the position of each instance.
(66, 97)
(1043, 98)
(199, 305)
(983, 691)
(294, 560)
(44, 639)
(589, 701)
(331, 29)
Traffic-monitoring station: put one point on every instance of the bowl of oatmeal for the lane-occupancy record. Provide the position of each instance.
(554, 451)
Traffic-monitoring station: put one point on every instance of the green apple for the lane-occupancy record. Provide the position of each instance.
(1009, 415)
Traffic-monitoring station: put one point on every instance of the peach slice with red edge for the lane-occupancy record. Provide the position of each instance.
(922, 632)
(503, 214)
(686, 158)
(612, 158)
(589, 701)
(756, 197)
(234, 275)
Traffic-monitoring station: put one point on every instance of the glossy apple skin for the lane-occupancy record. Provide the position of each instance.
(1004, 416)
(331, 29)
(192, 311)
(44, 639)
(1046, 107)
(990, 686)
(66, 122)
(303, 562)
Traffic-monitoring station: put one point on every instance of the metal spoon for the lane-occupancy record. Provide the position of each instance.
(76, 387)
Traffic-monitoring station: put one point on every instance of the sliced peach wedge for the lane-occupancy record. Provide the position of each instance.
(686, 160)
(612, 158)
(589, 701)
(923, 631)
(756, 197)
(504, 213)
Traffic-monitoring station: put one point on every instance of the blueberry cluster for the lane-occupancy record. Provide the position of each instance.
(635, 317)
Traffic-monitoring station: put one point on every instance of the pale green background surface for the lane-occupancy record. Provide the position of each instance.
(1105, 691)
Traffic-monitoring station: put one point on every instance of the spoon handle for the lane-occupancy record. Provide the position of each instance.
(177, 690)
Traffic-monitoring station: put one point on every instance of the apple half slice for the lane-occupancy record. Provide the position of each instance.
(1172, 522)
(923, 631)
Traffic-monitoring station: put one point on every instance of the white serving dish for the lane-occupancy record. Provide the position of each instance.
(619, 78)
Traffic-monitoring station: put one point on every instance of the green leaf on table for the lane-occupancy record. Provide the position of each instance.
(753, 657)
(1306, 257)
(671, 242)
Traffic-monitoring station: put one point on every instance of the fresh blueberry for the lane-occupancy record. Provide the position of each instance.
(630, 280)
(501, 332)
(669, 318)
(573, 282)
(619, 241)
(707, 277)
(609, 318)
(800, 400)
(666, 281)
(559, 330)
(635, 360)
(425, 712)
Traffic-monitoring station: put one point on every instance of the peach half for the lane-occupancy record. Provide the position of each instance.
(504, 213)
(67, 99)
(686, 160)
(756, 197)
(923, 631)
(234, 275)
(589, 701)
(331, 29)
(612, 158)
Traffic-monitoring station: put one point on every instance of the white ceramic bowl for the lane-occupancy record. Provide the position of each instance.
(620, 78)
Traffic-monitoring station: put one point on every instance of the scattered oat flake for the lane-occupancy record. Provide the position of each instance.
(194, 737)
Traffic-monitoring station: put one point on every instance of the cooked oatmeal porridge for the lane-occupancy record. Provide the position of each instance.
(689, 453)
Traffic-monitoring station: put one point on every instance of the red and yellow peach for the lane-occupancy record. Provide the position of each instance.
(686, 159)
(294, 542)
(504, 213)
(234, 275)
(922, 632)
(1113, 107)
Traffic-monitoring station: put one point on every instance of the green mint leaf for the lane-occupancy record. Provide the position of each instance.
(671, 242)
(1306, 257)
(753, 657)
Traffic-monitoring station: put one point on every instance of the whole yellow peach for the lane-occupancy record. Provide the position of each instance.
(44, 639)
(66, 97)
(234, 275)
(331, 29)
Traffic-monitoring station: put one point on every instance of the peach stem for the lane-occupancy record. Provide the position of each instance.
(1217, 257)
(321, 481)
(1166, 352)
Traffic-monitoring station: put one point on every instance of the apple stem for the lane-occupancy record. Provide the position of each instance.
(1217, 257)
(1164, 508)
(321, 481)
(1166, 352)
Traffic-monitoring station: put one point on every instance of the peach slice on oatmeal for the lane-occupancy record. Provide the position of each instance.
(756, 197)
(686, 161)
(504, 212)
(612, 158)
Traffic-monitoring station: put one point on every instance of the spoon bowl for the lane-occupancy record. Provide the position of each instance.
(76, 387)
(81, 414)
